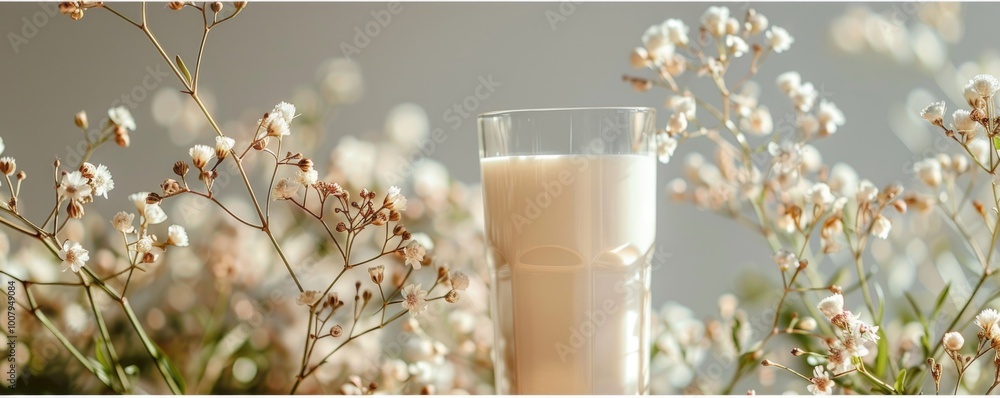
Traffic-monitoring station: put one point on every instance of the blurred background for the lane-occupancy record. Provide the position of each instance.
(435, 56)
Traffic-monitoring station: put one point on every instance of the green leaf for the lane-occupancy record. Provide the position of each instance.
(183, 68)
(174, 373)
(900, 381)
(100, 371)
(939, 303)
(736, 334)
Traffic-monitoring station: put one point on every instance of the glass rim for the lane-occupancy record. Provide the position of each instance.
(644, 109)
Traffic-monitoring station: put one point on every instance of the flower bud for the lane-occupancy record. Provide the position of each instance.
(451, 296)
(7, 165)
(175, 5)
(336, 331)
(121, 137)
(180, 168)
(81, 120)
(953, 341)
(305, 165)
(216, 7)
(87, 170)
(75, 209)
(240, 5)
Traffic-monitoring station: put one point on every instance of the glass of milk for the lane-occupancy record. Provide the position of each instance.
(570, 206)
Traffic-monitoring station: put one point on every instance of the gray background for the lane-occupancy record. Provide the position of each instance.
(432, 55)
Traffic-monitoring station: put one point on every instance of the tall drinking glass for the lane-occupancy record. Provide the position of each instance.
(570, 205)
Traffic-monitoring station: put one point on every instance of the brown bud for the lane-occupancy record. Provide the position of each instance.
(341, 227)
(406, 236)
(7, 165)
(260, 144)
(239, 5)
(978, 115)
(451, 296)
(148, 258)
(121, 137)
(67, 7)
(899, 205)
(22, 175)
(87, 170)
(364, 193)
(153, 198)
(372, 386)
(171, 186)
(75, 209)
(394, 215)
(77, 14)
(766, 363)
(836, 289)
(428, 390)
(398, 229)
(81, 117)
(641, 85)
(217, 7)
(305, 165)
(180, 168)
(381, 218)
(366, 295)
(798, 352)
(336, 331)
(980, 208)
(176, 5)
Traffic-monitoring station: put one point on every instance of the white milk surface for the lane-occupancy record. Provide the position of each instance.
(571, 237)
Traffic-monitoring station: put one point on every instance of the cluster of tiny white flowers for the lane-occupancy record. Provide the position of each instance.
(853, 334)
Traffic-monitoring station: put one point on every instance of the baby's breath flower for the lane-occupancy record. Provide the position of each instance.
(980, 148)
(831, 306)
(123, 222)
(121, 117)
(786, 260)
(779, 39)
(821, 382)
(736, 45)
(789, 81)
(808, 323)
(989, 321)
(929, 171)
(307, 298)
(377, 274)
(683, 104)
(74, 187)
(306, 178)
(985, 85)
(639, 57)
(414, 254)
(676, 31)
(677, 123)
(934, 112)
(657, 44)
(414, 299)
(8, 165)
(285, 189)
(459, 281)
(276, 126)
(829, 116)
(285, 110)
(73, 256)
(820, 194)
(151, 212)
(805, 96)
(953, 341)
(665, 147)
(223, 145)
(394, 200)
(102, 182)
(177, 236)
(881, 227)
(756, 22)
(714, 20)
(758, 122)
(962, 121)
(200, 155)
(867, 191)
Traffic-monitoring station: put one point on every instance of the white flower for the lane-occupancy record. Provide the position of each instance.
(714, 20)
(224, 144)
(414, 299)
(285, 110)
(152, 213)
(820, 194)
(639, 57)
(306, 178)
(73, 256)
(929, 171)
(123, 222)
(839, 360)
(665, 147)
(758, 122)
(756, 22)
(804, 97)
(677, 123)
(736, 45)
(102, 182)
(459, 281)
(200, 155)
(177, 236)
(867, 191)
(953, 341)
(657, 44)
(285, 189)
(121, 117)
(683, 104)
(821, 382)
(74, 187)
(808, 323)
(276, 126)
(881, 227)
(989, 321)
(831, 306)
(985, 85)
(307, 298)
(788, 82)
(934, 112)
(676, 31)
(786, 260)
(395, 200)
(829, 116)
(962, 121)
(144, 245)
(779, 39)
(868, 332)
(414, 254)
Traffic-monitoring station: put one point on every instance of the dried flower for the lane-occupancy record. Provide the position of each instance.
(714, 20)
(459, 281)
(953, 341)
(73, 256)
(74, 187)
(785, 259)
(779, 39)
(414, 254)
(985, 85)
(676, 31)
(177, 236)
(820, 194)
(122, 221)
(736, 45)
(222, 146)
(176, 5)
(200, 155)
(414, 299)
(306, 178)
(989, 321)
(8, 165)
(677, 123)
(305, 164)
(962, 121)
(276, 126)
(307, 298)
(121, 117)
(831, 306)
(929, 171)
(394, 200)
(789, 82)
(285, 189)
(452, 296)
(881, 227)
(102, 181)
(934, 112)
(665, 147)
(377, 274)
(75, 209)
(216, 7)
(821, 382)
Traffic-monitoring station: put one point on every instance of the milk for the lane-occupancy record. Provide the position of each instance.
(570, 238)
